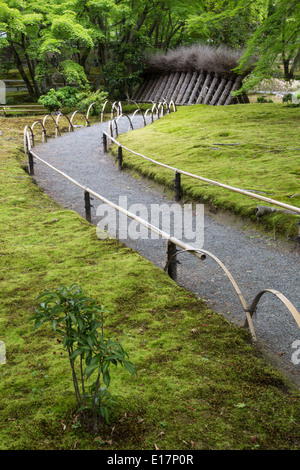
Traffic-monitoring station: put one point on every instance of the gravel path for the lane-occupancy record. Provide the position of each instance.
(255, 262)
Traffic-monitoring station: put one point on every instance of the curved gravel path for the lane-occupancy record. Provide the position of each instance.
(255, 261)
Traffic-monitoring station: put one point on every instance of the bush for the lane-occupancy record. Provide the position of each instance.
(263, 99)
(287, 98)
(70, 97)
(86, 98)
(57, 99)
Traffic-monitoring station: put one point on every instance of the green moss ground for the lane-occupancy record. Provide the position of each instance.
(201, 384)
(254, 147)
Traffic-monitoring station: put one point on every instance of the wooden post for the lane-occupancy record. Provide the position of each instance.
(120, 157)
(104, 143)
(177, 87)
(161, 86)
(197, 88)
(87, 205)
(212, 88)
(150, 89)
(236, 86)
(219, 91)
(30, 163)
(298, 238)
(184, 87)
(172, 85)
(204, 88)
(190, 87)
(225, 92)
(172, 260)
(177, 186)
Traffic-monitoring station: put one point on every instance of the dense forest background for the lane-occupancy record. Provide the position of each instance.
(107, 42)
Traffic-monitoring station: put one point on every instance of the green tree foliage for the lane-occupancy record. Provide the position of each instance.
(276, 42)
(72, 36)
(267, 30)
(227, 22)
(40, 36)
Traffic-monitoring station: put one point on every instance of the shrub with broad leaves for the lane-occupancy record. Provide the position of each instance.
(78, 320)
(73, 98)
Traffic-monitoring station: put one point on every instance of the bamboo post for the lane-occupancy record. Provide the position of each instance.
(151, 95)
(120, 157)
(44, 135)
(204, 88)
(154, 92)
(236, 86)
(148, 94)
(104, 143)
(218, 91)
(158, 96)
(172, 260)
(211, 89)
(183, 87)
(189, 89)
(197, 88)
(166, 89)
(145, 89)
(172, 84)
(177, 186)
(87, 205)
(30, 163)
(225, 92)
(178, 86)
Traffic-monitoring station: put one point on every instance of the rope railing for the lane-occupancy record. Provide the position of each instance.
(158, 110)
(179, 172)
(172, 244)
(116, 110)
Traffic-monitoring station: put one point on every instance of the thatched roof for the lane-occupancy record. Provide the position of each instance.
(192, 75)
(220, 59)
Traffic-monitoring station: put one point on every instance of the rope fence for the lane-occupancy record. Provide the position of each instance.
(172, 244)
(107, 137)
(157, 110)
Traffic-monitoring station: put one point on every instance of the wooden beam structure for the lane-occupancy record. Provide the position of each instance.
(190, 87)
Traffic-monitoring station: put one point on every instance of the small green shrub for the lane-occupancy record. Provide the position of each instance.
(78, 319)
(263, 99)
(86, 98)
(287, 98)
(56, 99)
(70, 97)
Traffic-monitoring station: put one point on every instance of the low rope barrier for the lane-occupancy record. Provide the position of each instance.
(116, 108)
(172, 242)
(107, 136)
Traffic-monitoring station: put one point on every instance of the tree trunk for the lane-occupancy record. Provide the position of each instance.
(296, 63)
(288, 75)
(30, 88)
(83, 60)
(31, 67)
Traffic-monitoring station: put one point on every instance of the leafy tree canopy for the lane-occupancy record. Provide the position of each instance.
(72, 36)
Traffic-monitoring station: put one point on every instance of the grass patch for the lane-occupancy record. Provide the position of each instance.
(254, 147)
(201, 384)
